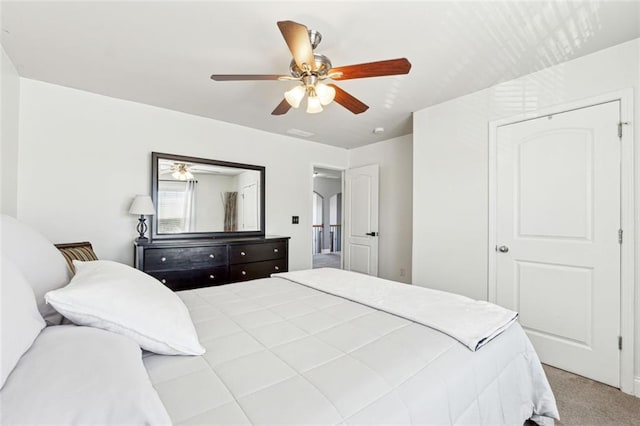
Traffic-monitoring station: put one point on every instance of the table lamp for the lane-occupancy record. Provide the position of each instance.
(142, 205)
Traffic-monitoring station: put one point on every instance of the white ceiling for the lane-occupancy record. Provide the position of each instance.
(162, 53)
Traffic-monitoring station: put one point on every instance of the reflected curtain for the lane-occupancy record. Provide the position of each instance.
(190, 206)
(230, 211)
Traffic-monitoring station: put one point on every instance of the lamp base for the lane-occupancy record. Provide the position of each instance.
(141, 228)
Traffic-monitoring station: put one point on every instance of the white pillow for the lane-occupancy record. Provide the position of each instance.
(121, 299)
(81, 376)
(37, 258)
(20, 320)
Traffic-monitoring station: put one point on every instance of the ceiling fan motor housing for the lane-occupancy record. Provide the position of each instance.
(322, 67)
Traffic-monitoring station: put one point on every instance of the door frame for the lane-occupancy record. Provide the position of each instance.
(627, 191)
(342, 170)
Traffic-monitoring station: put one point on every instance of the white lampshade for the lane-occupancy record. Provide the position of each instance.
(325, 93)
(295, 95)
(142, 204)
(313, 105)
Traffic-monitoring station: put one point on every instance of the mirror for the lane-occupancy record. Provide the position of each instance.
(201, 198)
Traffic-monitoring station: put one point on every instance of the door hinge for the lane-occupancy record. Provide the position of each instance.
(619, 342)
(620, 124)
(620, 236)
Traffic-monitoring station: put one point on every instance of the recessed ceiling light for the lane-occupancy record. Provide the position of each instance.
(298, 132)
(378, 130)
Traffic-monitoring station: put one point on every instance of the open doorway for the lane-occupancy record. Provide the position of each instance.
(327, 218)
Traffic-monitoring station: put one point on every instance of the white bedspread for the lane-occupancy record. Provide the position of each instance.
(282, 353)
(471, 322)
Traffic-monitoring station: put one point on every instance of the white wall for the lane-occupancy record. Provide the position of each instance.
(450, 154)
(335, 209)
(394, 157)
(9, 119)
(84, 156)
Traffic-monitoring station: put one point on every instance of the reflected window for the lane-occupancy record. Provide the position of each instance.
(176, 207)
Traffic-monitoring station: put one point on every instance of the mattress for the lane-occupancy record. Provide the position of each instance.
(282, 353)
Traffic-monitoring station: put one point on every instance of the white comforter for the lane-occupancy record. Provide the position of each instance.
(471, 322)
(282, 353)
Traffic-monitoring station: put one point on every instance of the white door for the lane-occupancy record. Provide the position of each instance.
(250, 207)
(557, 222)
(361, 220)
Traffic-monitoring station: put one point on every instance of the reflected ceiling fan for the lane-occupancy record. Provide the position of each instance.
(311, 69)
(181, 170)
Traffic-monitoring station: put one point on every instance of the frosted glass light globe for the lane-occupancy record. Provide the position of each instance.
(295, 95)
(325, 93)
(313, 105)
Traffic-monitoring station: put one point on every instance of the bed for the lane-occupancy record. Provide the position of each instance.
(295, 348)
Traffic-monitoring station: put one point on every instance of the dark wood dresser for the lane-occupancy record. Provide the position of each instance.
(187, 264)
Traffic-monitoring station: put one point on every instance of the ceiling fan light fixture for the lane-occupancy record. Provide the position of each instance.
(181, 172)
(313, 105)
(325, 93)
(295, 95)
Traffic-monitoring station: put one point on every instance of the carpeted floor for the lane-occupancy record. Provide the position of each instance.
(582, 401)
(326, 260)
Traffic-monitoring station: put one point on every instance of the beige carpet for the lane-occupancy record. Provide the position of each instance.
(326, 260)
(582, 401)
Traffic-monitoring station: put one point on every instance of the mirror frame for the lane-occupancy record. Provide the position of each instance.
(155, 156)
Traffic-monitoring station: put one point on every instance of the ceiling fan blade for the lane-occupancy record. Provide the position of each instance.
(237, 77)
(348, 101)
(373, 69)
(297, 38)
(282, 108)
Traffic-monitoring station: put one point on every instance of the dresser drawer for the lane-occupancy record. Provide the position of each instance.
(195, 278)
(171, 259)
(243, 253)
(250, 271)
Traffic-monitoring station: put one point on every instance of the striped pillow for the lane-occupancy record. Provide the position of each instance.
(78, 251)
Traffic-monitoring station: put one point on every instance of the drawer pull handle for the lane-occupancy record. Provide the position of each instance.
(242, 253)
(212, 256)
(244, 272)
(164, 281)
(163, 259)
(277, 268)
(212, 276)
(275, 250)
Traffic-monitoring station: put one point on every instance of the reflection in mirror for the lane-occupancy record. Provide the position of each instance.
(206, 197)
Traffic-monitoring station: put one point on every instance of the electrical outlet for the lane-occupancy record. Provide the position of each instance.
(295, 220)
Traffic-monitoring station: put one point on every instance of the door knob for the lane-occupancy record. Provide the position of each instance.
(503, 249)
(373, 234)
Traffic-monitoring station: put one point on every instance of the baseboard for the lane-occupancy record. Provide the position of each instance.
(636, 386)
(325, 251)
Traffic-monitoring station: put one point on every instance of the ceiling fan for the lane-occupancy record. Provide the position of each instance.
(311, 69)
